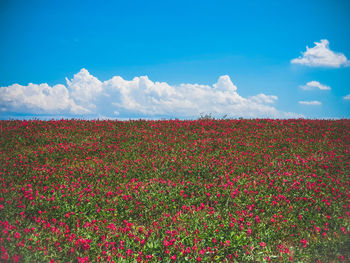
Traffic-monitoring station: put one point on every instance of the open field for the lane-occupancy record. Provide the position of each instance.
(150, 191)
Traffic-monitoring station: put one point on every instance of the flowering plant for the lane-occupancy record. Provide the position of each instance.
(174, 191)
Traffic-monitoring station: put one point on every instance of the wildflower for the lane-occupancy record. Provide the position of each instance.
(341, 258)
(249, 231)
(304, 242)
(257, 219)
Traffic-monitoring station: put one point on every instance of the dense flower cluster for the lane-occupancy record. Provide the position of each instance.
(175, 191)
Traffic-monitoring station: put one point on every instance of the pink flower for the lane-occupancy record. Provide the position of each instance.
(257, 219)
(16, 258)
(263, 244)
(341, 258)
(304, 242)
(4, 254)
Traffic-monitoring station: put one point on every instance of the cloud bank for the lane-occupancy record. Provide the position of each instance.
(86, 96)
(311, 85)
(38, 99)
(321, 56)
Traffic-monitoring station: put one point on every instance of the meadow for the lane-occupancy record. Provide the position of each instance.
(175, 191)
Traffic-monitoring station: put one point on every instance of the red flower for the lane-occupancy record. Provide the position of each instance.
(4, 254)
(304, 242)
(341, 258)
(249, 231)
(257, 219)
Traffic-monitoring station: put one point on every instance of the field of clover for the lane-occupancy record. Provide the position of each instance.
(175, 191)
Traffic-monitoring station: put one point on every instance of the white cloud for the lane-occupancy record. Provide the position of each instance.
(310, 103)
(225, 84)
(187, 100)
(84, 88)
(321, 56)
(347, 97)
(262, 98)
(39, 99)
(139, 97)
(315, 84)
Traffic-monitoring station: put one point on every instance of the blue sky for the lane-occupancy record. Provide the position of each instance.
(167, 59)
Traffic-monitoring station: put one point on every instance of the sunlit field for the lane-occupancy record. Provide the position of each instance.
(175, 191)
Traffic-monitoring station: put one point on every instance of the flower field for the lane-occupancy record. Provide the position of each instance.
(175, 191)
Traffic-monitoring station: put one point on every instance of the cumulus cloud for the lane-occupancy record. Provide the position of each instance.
(347, 97)
(310, 103)
(84, 88)
(314, 84)
(139, 97)
(225, 84)
(41, 98)
(321, 56)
